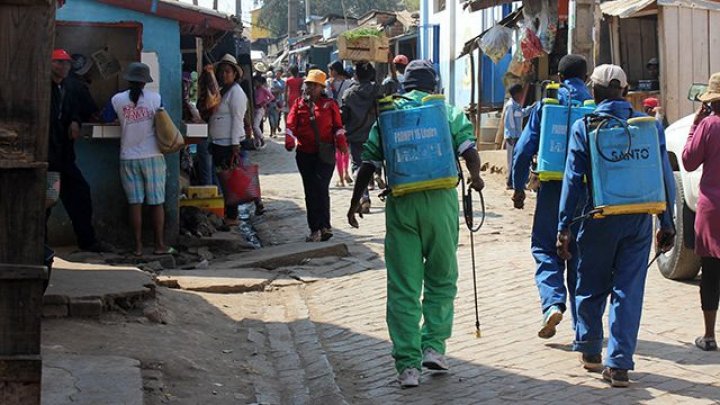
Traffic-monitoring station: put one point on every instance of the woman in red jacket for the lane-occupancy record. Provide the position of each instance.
(315, 168)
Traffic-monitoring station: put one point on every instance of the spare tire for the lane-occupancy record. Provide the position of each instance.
(681, 263)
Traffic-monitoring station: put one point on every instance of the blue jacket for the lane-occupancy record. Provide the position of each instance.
(529, 142)
(578, 165)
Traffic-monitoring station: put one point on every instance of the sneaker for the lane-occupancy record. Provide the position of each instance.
(314, 237)
(434, 360)
(410, 377)
(617, 377)
(551, 319)
(592, 362)
(326, 234)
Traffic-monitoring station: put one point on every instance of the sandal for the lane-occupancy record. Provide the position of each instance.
(168, 251)
(706, 344)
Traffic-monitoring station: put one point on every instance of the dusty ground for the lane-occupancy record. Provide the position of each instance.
(324, 340)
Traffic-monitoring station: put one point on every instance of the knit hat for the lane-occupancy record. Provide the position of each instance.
(420, 75)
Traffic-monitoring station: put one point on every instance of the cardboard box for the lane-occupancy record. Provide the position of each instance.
(215, 205)
(372, 49)
(202, 192)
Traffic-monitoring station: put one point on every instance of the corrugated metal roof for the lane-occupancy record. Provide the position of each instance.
(628, 8)
(624, 8)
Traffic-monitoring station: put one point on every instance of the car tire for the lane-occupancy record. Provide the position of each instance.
(681, 263)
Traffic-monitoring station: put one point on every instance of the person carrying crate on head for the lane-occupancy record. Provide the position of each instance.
(617, 156)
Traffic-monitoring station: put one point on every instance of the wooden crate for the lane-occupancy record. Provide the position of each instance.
(371, 49)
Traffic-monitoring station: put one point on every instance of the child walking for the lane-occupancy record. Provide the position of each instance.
(342, 163)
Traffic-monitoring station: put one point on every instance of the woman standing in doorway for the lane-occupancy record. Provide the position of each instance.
(226, 125)
(142, 165)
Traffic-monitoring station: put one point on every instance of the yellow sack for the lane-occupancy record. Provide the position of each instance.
(169, 138)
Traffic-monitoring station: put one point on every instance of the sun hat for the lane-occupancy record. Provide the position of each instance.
(81, 64)
(603, 75)
(230, 60)
(316, 76)
(260, 67)
(61, 54)
(712, 93)
(138, 72)
(651, 102)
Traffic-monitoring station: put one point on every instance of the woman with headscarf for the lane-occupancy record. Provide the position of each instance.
(314, 120)
(226, 127)
(703, 148)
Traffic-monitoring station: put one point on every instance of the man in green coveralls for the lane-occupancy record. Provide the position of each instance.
(421, 242)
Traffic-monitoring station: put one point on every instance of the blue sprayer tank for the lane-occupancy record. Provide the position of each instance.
(554, 134)
(627, 171)
(418, 146)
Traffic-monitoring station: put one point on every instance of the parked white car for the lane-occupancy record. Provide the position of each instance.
(681, 263)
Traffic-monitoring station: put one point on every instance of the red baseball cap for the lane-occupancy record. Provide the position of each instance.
(400, 60)
(61, 54)
(651, 102)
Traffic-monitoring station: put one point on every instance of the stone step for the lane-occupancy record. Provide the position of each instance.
(289, 254)
(287, 343)
(87, 290)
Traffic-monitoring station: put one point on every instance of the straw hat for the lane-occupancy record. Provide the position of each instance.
(230, 60)
(316, 76)
(260, 67)
(712, 93)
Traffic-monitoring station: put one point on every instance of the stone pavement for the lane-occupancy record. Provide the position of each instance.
(327, 340)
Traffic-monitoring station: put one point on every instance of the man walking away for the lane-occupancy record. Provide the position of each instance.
(358, 114)
(394, 82)
(613, 250)
(551, 272)
(421, 241)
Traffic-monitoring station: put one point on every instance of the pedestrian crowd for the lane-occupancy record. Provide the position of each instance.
(398, 134)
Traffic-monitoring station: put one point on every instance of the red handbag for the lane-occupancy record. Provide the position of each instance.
(240, 184)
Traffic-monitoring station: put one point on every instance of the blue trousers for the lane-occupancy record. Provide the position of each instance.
(614, 253)
(551, 275)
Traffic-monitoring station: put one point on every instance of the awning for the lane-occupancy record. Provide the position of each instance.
(509, 20)
(193, 20)
(624, 8)
(475, 5)
(629, 8)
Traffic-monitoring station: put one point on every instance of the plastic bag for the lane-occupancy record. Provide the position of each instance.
(548, 25)
(519, 66)
(496, 42)
(530, 44)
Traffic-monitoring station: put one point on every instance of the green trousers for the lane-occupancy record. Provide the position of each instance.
(420, 254)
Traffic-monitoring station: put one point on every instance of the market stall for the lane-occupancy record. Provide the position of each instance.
(110, 34)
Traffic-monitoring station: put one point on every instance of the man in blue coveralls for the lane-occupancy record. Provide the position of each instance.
(549, 275)
(613, 250)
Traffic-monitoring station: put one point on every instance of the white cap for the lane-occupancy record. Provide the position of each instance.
(604, 74)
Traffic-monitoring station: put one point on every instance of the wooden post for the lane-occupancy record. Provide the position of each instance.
(27, 29)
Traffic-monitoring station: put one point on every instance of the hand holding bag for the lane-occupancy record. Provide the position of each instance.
(240, 183)
(169, 138)
(326, 151)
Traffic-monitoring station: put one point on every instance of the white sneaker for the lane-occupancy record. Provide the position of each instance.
(410, 377)
(434, 360)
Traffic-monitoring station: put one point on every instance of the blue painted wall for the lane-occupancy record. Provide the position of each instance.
(98, 159)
